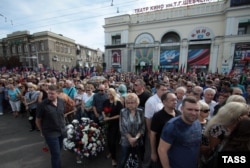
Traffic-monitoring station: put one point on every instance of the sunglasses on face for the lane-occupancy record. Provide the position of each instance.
(205, 110)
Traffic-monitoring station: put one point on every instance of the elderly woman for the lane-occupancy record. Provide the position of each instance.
(132, 128)
(30, 102)
(88, 101)
(222, 124)
(111, 112)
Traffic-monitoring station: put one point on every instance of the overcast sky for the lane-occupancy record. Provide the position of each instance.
(80, 20)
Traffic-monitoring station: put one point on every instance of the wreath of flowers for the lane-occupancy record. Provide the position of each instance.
(85, 139)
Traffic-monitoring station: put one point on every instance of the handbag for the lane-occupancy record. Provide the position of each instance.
(212, 161)
(133, 159)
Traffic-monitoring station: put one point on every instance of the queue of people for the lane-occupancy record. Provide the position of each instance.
(160, 118)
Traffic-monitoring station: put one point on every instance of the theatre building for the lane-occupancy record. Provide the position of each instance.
(206, 37)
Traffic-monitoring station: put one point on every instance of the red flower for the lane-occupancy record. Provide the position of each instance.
(107, 110)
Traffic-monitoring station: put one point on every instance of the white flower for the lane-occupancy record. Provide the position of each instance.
(75, 121)
(69, 126)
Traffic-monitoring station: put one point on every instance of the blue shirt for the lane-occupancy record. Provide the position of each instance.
(13, 94)
(71, 92)
(185, 142)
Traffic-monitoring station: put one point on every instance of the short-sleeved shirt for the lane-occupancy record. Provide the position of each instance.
(13, 94)
(31, 96)
(52, 118)
(113, 111)
(153, 105)
(143, 98)
(159, 120)
(71, 92)
(185, 142)
(98, 100)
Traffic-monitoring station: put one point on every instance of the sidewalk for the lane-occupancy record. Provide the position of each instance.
(20, 148)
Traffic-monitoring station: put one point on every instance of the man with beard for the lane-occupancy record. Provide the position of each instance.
(181, 137)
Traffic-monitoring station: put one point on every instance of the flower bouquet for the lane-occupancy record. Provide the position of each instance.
(85, 139)
(107, 111)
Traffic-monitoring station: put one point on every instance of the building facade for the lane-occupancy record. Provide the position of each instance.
(210, 37)
(46, 50)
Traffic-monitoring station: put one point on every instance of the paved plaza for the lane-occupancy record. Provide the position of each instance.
(20, 148)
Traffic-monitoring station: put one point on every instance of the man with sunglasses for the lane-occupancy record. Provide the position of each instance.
(98, 100)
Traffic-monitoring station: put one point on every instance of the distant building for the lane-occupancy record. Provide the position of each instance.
(199, 37)
(46, 49)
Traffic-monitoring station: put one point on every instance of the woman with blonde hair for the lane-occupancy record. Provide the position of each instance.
(14, 96)
(88, 101)
(236, 98)
(31, 101)
(111, 112)
(132, 128)
(223, 123)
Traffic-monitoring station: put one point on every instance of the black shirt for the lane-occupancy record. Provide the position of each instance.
(52, 118)
(143, 98)
(159, 120)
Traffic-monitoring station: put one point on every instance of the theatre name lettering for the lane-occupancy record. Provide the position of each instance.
(171, 5)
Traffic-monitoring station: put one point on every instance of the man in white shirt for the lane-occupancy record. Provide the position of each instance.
(153, 105)
(209, 94)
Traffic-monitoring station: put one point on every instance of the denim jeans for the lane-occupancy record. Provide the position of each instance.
(55, 145)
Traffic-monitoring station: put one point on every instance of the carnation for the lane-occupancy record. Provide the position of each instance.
(85, 139)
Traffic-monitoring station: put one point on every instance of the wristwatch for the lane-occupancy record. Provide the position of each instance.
(137, 137)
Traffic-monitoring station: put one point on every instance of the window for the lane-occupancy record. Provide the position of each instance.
(20, 59)
(244, 27)
(19, 48)
(89, 53)
(26, 48)
(57, 48)
(69, 50)
(33, 48)
(42, 58)
(62, 49)
(42, 46)
(8, 51)
(116, 39)
(13, 49)
(65, 49)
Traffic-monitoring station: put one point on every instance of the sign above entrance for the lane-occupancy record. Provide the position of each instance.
(201, 33)
(172, 4)
(144, 38)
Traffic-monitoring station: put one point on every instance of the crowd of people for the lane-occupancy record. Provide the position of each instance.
(160, 117)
